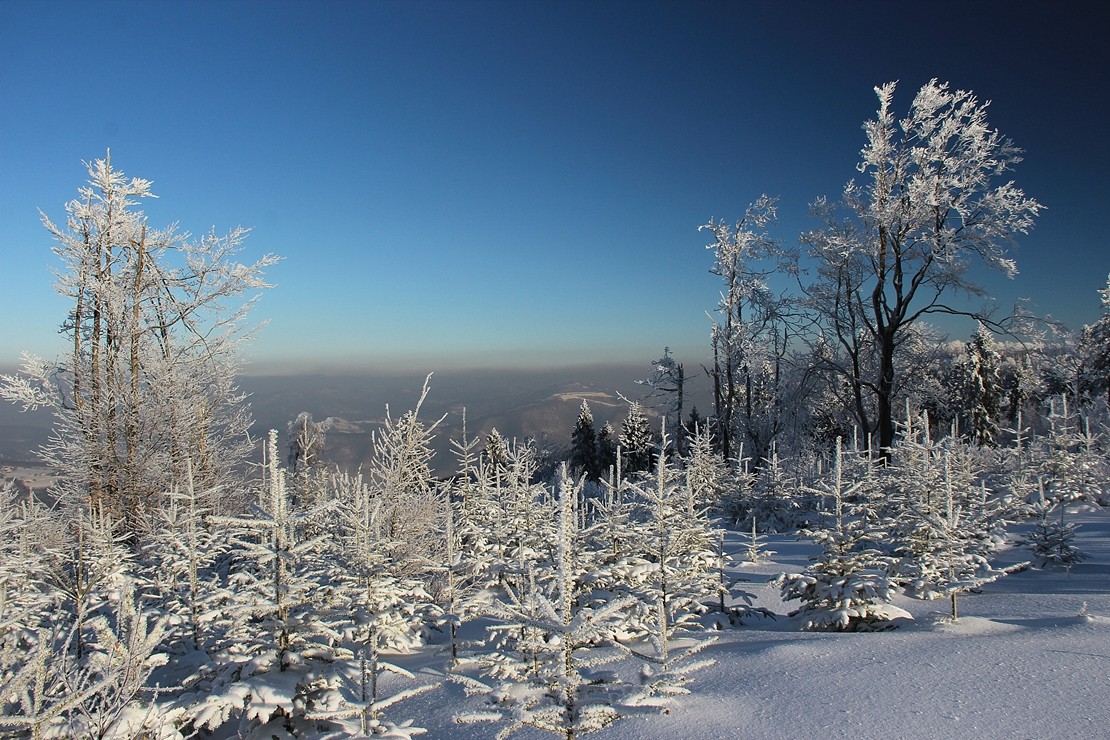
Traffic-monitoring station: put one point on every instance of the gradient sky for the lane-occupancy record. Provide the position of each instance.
(517, 183)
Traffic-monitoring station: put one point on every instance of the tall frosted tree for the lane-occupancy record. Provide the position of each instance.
(583, 445)
(982, 388)
(154, 324)
(401, 473)
(497, 450)
(1095, 349)
(607, 447)
(667, 383)
(636, 441)
(751, 336)
(934, 199)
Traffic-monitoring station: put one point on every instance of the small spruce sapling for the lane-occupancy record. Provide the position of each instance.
(1052, 540)
(847, 588)
(955, 540)
(547, 672)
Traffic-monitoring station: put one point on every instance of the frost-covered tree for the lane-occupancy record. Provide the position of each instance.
(375, 607)
(673, 568)
(84, 567)
(496, 451)
(847, 587)
(307, 441)
(77, 644)
(1069, 458)
(606, 447)
(271, 665)
(705, 473)
(1095, 349)
(771, 502)
(155, 322)
(934, 200)
(667, 383)
(26, 635)
(584, 457)
(751, 337)
(468, 452)
(636, 441)
(546, 673)
(953, 539)
(178, 564)
(1052, 540)
(401, 473)
(981, 397)
(100, 693)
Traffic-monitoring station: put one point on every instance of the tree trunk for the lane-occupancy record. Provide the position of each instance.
(885, 410)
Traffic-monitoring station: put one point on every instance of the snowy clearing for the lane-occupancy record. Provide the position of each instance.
(1019, 663)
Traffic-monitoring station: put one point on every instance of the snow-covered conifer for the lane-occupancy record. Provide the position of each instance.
(606, 447)
(97, 689)
(496, 452)
(178, 564)
(546, 673)
(674, 571)
(755, 547)
(705, 474)
(667, 382)
(981, 400)
(1052, 539)
(954, 536)
(773, 499)
(400, 472)
(1069, 459)
(847, 588)
(273, 661)
(583, 445)
(673, 566)
(636, 441)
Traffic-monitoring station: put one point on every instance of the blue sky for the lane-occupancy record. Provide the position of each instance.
(517, 183)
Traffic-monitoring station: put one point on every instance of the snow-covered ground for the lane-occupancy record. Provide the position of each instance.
(1028, 658)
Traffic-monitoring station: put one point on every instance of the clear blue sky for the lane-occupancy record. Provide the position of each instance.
(517, 183)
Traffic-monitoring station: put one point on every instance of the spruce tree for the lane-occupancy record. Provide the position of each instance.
(847, 588)
(606, 447)
(551, 642)
(496, 453)
(583, 446)
(636, 442)
(982, 388)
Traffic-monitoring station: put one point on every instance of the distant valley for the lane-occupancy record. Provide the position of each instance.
(540, 404)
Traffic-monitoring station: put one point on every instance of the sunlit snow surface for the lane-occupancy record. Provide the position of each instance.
(1020, 663)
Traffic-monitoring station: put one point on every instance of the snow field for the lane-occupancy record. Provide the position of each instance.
(1020, 663)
